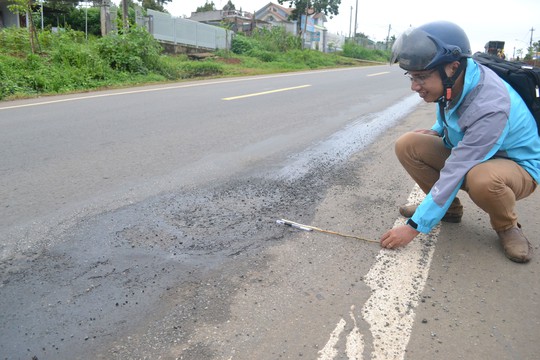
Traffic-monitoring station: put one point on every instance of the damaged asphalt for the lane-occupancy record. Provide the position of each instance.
(106, 274)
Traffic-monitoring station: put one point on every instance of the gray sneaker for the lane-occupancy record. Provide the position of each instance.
(516, 246)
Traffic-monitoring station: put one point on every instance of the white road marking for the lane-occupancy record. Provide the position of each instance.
(397, 280)
(379, 73)
(329, 351)
(355, 342)
(265, 92)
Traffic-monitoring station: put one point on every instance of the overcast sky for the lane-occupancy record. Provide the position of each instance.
(482, 20)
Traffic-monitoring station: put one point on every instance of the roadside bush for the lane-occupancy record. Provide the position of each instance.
(66, 35)
(170, 67)
(67, 63)
(356, 51)
(296, 59)
(135, 52)
(243, 45)
(263, 41)
(199, 69)
(34, 73)
(76, 55)
(14, 41)
(9, 72)
(75, 61)
(277, 39)
(263, 55)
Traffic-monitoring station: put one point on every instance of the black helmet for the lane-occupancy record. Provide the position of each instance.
(430, 45)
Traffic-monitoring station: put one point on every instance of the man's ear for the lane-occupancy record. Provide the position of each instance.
(451, 68)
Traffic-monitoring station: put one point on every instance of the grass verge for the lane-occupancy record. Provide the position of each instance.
(68, 63)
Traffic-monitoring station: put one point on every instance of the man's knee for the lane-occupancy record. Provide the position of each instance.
(404, 143)
(482, 184)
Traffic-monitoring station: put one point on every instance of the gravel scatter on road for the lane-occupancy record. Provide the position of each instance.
(113, 272)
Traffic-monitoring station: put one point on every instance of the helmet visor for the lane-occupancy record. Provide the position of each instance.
(414, 50)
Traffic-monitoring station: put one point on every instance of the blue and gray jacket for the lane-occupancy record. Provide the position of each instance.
(490, 120)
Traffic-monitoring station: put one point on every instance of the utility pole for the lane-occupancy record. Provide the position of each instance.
(356, 19)
(532, 51)
(305, 27)
(105, 18)
(86, 20)
(350, 24)
(388, 36)
(125, 15)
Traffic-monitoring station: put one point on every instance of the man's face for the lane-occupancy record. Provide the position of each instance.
(427, 84)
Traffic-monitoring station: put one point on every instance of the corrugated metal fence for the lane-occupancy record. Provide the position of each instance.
(188, 32)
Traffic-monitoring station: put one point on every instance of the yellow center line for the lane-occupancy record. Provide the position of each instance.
(265, 92)
(380, 73)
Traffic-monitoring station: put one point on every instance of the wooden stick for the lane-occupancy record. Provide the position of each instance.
(309, 228)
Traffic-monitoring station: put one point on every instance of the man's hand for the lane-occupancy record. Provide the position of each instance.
(399, 236)
(427, 132)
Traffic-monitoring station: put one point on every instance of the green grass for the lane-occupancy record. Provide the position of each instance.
(68, 63)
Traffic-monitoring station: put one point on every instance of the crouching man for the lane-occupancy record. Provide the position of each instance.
(484, 141)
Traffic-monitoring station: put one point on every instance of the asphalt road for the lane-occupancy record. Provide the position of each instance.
(140, 224)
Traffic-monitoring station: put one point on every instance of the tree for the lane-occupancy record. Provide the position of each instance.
(229, 6)
(81, 19)
(163, 2)
(25, 7)
(208, 6)
(327, 7)
(153, 5)
(309, 7)
(64, 5)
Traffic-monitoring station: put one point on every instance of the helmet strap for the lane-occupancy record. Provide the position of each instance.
(448, 83)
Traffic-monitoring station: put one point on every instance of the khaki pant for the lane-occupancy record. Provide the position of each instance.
(494, 185)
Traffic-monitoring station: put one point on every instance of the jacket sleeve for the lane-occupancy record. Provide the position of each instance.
(438, 126)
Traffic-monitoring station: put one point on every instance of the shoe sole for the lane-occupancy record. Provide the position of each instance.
(446, 218)
(451, 219)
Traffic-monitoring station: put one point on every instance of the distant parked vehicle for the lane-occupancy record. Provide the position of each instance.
(495, 48)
